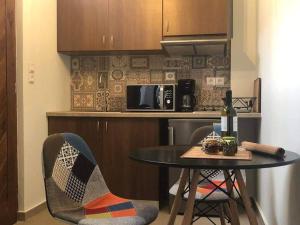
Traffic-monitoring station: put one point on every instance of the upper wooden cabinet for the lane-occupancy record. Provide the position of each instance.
(195, 17)
(82, 25)
(135, 24)
(106, 25)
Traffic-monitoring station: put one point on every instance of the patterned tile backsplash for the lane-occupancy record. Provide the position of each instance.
(98, 83)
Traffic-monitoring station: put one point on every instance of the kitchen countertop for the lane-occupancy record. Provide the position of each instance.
(192, 115)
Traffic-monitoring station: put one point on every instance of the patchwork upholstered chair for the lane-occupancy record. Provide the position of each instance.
(76, 191)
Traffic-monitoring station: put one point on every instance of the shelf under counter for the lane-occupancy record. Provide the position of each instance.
(196, 114)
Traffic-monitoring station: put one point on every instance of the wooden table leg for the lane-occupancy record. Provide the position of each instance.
(232, 203)
(188, 214)
(245, 197)
(178, 197)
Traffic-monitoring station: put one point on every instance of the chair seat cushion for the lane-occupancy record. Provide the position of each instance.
(205, 189)
(108, 206)
(110, 209)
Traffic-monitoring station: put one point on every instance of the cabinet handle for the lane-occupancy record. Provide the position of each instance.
(98, 126)
(106, 126)
(103, 39)
(112, 40)
(168, 26)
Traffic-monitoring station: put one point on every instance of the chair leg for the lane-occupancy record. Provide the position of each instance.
(222, 216)
(188, 214)
(178, 197)
(245, 197)
(228, 211)
(232, 203)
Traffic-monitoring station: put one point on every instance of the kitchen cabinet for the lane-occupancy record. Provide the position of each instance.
(135, 24)
(111, 141)
(196, 17)
(109, 25)
(126, 177)
(82, 25)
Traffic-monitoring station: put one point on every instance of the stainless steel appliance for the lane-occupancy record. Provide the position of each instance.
(151, 97)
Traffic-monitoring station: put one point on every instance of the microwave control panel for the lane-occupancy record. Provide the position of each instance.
(169, 96)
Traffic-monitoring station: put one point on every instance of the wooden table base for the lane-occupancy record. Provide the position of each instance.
(232, 209)
(232, 203)
(246, 199)
(178, 197)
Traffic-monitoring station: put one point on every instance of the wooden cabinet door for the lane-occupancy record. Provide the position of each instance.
(125, 177)
(87, 128)
(195, 17)
(135, 24)
(82, 25)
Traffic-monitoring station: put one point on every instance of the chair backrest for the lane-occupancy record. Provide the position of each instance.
(71, 174)
(199, 134)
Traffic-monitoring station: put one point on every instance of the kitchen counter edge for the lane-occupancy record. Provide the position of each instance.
(183, 115)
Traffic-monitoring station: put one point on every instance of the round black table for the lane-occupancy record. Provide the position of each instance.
(170, 156)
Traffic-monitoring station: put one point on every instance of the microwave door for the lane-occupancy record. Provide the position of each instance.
(147, 97)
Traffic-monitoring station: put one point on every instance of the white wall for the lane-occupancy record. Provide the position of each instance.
(278, 44)
(244, 48)
(36, 44)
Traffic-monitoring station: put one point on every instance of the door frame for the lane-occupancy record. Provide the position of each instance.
(12, 111)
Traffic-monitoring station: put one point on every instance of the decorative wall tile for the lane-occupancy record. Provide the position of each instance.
(183, 74)
(173, 63)
(102, 80)
(199, 62)
(117, 74)
(88, 63)
(132, 77)
(119, 62)
(103, 63)
(83, 101)
(115, 104)
(76, 81)
(156, 76)
(156, 62)
(98, 83)
(117, 88)
(75, 64)
(217, 61)
(89, 82)
(139, 62)
(143, 77)
(101, 97)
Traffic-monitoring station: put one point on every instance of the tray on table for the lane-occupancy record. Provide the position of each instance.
(196, 152)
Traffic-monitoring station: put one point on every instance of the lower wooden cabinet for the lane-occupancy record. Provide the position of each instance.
(111, 141)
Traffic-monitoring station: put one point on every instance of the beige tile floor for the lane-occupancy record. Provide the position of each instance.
(43, 218)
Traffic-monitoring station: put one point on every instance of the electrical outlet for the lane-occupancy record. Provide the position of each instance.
(220, 81)
(211, 81)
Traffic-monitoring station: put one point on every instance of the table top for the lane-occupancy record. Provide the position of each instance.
(170, 156)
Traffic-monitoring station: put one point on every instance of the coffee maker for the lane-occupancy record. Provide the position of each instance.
(186, 98)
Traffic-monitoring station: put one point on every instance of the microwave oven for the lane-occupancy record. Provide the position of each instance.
(151, 97)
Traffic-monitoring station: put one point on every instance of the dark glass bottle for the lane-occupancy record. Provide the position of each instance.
(229, 120)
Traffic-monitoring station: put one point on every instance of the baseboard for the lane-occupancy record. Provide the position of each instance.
(23, 216)
(259, 212)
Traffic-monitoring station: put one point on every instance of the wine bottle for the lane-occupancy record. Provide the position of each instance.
(229, 120)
